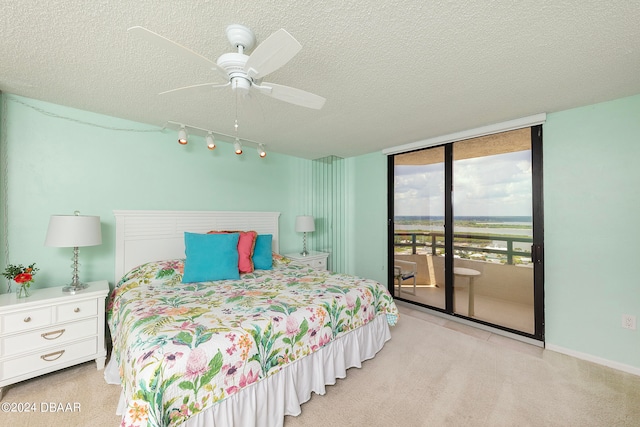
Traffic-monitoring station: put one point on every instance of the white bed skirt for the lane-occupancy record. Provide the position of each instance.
(266, 402)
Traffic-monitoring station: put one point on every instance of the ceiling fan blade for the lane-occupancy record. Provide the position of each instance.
(199, 87)
(278, 49)
(177, 49)
(291, 95)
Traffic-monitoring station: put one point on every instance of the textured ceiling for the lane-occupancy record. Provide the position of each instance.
(393, 72)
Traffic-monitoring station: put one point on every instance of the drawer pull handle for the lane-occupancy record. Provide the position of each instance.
(48, 356)
(27, 319)
(76, 310)
(58, 334)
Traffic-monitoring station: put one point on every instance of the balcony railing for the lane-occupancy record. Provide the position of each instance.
(465, 244)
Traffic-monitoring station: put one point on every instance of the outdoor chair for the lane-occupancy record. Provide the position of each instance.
(405, 270)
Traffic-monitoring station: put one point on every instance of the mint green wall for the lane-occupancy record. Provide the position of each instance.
(56, 165)
(2, 191)
(592, 232)
(368, 235)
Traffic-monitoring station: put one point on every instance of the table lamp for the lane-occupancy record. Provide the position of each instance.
(73, 231)
(305, 224)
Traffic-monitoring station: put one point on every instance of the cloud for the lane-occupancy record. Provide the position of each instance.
(490, 185)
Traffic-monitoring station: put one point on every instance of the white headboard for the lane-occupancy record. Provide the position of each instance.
(144, 236)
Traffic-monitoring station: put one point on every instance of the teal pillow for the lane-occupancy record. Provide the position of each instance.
(210, 257)
(262, 257)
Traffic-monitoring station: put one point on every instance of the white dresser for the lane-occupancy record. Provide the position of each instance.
(51, 330)
(313, 259)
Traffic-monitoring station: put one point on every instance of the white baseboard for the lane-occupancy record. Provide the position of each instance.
(595, 359)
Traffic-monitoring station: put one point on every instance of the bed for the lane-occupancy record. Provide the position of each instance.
(241, 350)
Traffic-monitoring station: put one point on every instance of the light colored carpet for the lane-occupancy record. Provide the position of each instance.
(81, 384)
(431, 373)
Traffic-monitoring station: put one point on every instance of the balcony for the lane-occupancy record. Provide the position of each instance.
(503, 292)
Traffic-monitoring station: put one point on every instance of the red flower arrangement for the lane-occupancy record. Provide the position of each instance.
(20, 274)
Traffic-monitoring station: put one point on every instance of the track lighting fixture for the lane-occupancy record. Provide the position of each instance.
(182, 136)
(211, 144)
(237, 147)
(212, 137)
(261, 151)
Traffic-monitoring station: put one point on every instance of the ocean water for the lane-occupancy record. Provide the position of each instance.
(436, 223)
(478, 219)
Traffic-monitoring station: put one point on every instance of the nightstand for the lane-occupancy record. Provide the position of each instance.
(51, 330)
(314, 259)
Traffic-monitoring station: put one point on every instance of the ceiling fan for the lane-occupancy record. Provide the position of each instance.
(242, 72)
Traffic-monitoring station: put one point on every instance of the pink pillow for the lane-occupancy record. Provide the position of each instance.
(246, 243)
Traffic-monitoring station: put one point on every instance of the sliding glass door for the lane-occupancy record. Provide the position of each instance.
(418, 234)
(462, 226)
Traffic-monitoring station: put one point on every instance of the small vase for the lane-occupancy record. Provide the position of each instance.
(23, 291)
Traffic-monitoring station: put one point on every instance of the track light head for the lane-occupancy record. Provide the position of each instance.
(211, 144)
(261, 151)
(237, 146)
(182, 136)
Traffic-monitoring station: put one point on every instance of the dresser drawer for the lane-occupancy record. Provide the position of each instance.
(54, 336)
(317, 260)
(25, 320)
(47, 359)
(320, 264)
(76, 310)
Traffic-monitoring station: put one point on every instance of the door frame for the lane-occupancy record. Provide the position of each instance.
(537, 252)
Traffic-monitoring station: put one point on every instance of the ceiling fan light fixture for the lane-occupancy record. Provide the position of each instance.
(261, 152)
(245, 72)
(182, 136)
(237, 146)
(211, 143)
(240, 84)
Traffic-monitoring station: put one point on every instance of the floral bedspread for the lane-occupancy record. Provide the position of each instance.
(183, 347)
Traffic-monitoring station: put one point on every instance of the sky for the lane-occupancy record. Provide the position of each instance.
(498, 185)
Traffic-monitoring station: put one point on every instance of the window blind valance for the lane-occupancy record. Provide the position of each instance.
(523, 122)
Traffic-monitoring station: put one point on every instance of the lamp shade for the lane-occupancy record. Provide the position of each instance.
(305, 224)
(69, 231)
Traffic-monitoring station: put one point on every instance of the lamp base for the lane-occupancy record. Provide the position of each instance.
(304, 245)
(74, 287)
